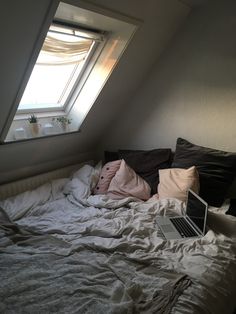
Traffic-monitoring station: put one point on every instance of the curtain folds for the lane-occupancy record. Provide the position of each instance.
(56, 51)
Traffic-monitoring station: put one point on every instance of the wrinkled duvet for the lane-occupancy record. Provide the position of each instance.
(63, 250)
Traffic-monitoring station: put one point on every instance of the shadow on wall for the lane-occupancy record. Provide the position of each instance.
(191, 90)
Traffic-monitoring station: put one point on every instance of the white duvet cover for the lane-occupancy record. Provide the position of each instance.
(78, 253)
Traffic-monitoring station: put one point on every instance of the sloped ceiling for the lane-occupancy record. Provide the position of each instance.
(190, 92)
(20, 22)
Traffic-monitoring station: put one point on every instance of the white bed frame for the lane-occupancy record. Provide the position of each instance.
(20, 186)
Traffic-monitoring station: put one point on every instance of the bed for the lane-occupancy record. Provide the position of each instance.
(66, 249)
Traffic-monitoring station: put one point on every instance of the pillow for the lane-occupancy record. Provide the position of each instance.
(216, 169)
(232, 208)
(147, 163)
(127, 183)
(84, 173)
(175, 182)
(87, 174)
(110, 156)
(96, 175)
(107, 173)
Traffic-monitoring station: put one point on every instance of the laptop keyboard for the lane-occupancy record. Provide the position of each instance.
(183, 227)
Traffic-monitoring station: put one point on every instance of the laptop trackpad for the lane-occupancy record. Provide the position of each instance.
(167, 228)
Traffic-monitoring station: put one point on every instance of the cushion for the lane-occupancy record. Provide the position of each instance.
(232, 207)
(175, 182)
(216, 169)
(127, 183)
(84, 173)
(107, 173)
(87, 174)
(147, 163)
(110, 156)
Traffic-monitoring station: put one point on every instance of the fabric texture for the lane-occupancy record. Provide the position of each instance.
(175, 182)
(59, 52)
(110, 156)
(127, 183)
(86, 178)
(107, 173)
(147, 163)
(216, 169)
(109, 256)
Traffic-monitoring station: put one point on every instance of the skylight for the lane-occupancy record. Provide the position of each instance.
(73, 57)
(59, 64)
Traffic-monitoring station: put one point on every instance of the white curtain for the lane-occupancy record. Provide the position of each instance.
(56, 51)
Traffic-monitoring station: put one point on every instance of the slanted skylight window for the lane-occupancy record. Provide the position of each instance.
(74, 55)
(58, 67)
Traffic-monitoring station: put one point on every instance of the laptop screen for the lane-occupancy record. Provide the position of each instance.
(196, 210)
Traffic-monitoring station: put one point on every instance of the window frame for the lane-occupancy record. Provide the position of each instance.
(99, 41)
(120, 30)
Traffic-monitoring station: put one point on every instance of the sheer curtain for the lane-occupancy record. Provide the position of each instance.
(69, 50)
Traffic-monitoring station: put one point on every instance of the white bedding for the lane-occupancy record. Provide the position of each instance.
(80, 253)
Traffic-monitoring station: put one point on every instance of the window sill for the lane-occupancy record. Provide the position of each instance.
(40, 115)
(40, 137)
(22, 129)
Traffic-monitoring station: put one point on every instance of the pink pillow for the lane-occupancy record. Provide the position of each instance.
(175, 182)
(127, 183)
(107, 173)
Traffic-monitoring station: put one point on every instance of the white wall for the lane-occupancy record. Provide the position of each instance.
(191, 92)
(20, 22)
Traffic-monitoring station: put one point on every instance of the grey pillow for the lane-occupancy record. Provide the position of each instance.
(110, 156)
(216, 169)
(232, 208)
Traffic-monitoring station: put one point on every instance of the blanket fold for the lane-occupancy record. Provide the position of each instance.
(152, 289)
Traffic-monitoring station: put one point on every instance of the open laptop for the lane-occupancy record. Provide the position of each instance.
(193, 224)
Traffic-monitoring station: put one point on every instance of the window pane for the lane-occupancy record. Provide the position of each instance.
(45, 86)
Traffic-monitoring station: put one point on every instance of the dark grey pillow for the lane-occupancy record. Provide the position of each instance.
(147, 163)
(110, 156)
(232, 208)
(216, 169)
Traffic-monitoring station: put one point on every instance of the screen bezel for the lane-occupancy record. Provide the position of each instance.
(206, 208)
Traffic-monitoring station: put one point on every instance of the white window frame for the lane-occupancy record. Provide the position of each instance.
(99, 42)
(120, 29)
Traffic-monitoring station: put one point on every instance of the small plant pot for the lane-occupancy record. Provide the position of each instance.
(34, 129)
(64, 127)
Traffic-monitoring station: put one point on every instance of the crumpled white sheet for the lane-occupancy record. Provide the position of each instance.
(128, 227)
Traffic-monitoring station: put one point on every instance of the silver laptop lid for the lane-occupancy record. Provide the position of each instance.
(196, 210)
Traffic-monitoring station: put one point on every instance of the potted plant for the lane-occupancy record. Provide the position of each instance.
(34, 126)
(63, 121)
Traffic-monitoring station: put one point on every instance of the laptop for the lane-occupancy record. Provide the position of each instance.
(193, 224)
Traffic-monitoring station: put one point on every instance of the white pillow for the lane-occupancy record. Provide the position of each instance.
(87, 174)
